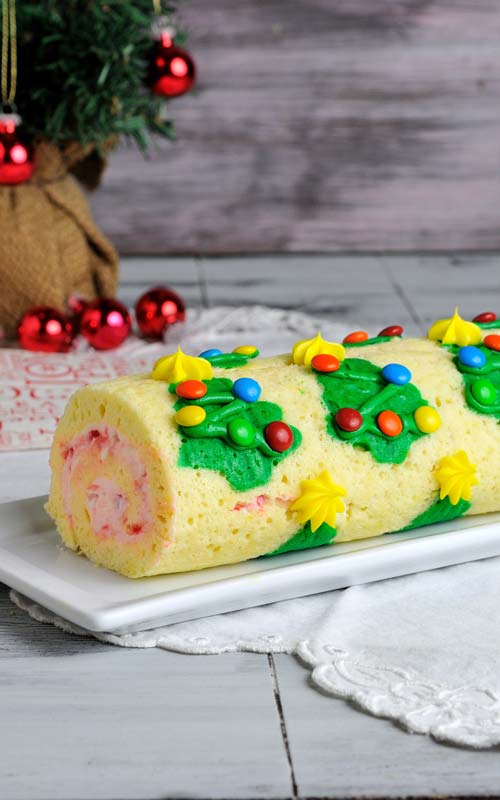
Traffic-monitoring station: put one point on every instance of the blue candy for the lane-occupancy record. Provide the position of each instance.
(210, 353)
(247, 389)
(396, 373)
(471, 356)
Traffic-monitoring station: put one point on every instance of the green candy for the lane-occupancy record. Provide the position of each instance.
(241, 431)
(483, 391)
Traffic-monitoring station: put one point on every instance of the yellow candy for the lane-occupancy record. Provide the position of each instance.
(179, 367)
(427, 419)
(189, 416)
(304, 351)
(455, 331)
(245, 350)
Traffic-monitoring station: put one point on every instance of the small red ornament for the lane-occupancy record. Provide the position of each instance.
(105, 323)
(43, 329)
(157, 309)
(16, 151)
(348, 419)
(171, 70)
(355, 337)
(391, 330)
(324, 362)
(279, 436)
(485, 316)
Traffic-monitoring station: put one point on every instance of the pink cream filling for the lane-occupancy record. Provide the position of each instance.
(106, 501)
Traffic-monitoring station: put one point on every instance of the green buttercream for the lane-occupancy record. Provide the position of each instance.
(359, 384)
(373, 340)
(439, 511)
(209, 445)
(490, 371)
(231, 360)
(305, 538)
(486, 325)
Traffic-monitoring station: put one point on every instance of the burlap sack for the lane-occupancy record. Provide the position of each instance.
(50, 248)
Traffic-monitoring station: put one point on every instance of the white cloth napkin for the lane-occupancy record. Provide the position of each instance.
(422, 650)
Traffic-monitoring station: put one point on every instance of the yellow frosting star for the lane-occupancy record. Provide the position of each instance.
(179, 367)
(456, 476)
(304, 351)
(320, 501)
(455, 331)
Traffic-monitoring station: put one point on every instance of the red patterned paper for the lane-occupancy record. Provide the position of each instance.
(35, 387)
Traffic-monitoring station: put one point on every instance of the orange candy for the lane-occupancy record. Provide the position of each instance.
(389, 423)
(355, 337)
(324, 362)
(191, 390)
(492, 341)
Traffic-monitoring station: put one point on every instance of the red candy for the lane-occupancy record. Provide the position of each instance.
(391, 330)
(485, 316)
(324, 362)
(191, 390)
(355, 337)
(278, 436)
(492, 341)
(348, 419)
(389, 423)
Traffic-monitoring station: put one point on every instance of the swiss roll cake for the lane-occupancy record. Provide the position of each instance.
(220, 457)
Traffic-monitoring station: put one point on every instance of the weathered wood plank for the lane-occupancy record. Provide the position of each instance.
(180, 274)
(367, 125)
(140, 724)
(435, 285)
(354, 291)
(339, 752)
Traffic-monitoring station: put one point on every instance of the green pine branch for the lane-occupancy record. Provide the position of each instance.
(81, 71)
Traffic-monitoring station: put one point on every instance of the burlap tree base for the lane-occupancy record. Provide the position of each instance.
(50, 248)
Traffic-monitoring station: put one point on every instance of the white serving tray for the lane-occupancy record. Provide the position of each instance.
(33, 561)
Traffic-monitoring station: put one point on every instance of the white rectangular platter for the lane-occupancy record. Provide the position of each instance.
(33, 561)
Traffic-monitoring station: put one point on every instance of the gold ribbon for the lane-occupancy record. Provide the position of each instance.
(9, 51)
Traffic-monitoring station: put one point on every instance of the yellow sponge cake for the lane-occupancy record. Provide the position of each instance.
(224, 457)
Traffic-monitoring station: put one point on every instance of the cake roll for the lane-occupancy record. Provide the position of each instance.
(221, 457)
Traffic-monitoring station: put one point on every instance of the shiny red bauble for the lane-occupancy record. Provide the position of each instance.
(171, 70)
(17, 155)
(157, 309)
(105, 323)
(43, 329)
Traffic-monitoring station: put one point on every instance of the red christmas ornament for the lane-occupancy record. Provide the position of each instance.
(16, 151)
(171, 71)
(45, 330)
(157, 309)
(105, 323)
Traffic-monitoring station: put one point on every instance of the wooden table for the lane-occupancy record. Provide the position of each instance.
(82, 720)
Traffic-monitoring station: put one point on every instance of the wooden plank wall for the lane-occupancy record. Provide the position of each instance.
(323, 125)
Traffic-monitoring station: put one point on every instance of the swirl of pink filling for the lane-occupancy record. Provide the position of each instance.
(106, 501)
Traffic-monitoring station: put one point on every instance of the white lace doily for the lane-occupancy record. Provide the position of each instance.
(422, 650)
